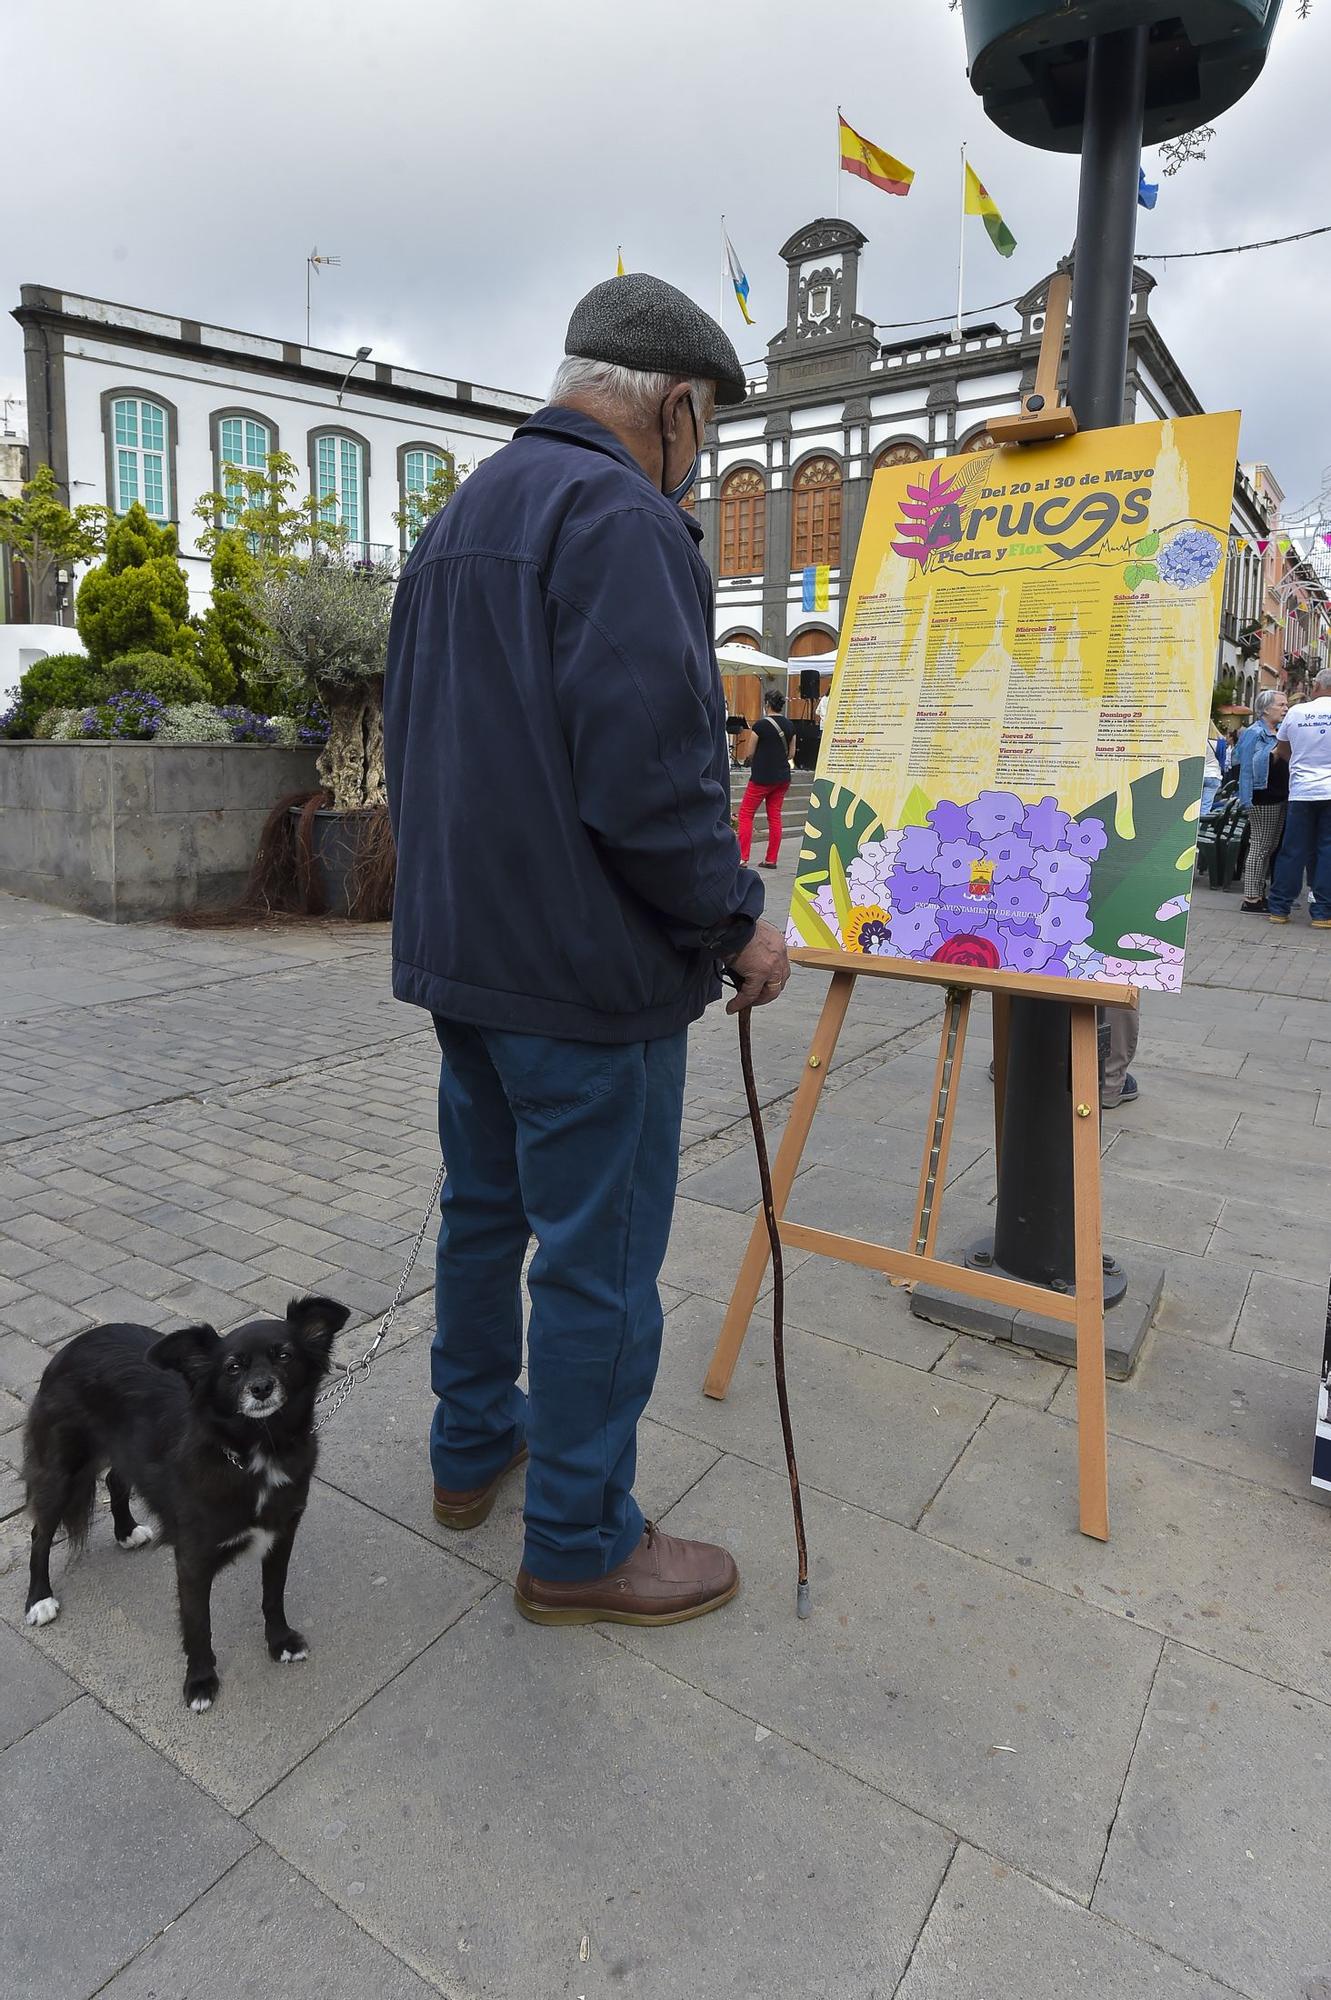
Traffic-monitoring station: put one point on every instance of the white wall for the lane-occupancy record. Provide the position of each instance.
(293, 409)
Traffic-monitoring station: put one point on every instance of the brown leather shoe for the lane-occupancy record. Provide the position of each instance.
(468, 1510)
(664, 1581)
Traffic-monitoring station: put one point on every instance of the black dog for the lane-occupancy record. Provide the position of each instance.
(217, 1436)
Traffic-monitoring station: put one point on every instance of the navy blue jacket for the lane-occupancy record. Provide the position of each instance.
(555, 750)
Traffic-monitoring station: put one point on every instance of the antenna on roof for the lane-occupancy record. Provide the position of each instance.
(312, 265)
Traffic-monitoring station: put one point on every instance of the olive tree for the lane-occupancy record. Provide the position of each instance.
(325, 624)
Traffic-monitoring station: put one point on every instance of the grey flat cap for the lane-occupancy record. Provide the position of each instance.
(638, 321)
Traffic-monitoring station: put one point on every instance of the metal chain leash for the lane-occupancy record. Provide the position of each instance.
(356, 1371)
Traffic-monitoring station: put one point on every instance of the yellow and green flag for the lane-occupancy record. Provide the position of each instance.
(619, 263)
(979, 201)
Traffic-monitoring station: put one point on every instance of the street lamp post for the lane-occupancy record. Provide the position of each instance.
(1049, 79)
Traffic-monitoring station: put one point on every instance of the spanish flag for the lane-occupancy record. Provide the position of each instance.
(871, 163)
(979, 201)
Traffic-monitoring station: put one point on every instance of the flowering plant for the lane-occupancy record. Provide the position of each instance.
(131, 716)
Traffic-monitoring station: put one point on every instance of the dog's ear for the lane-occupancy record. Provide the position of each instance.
(188, 1351)
(315, 1322)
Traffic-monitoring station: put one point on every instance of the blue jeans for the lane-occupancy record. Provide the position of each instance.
(1305, 849)
(576, 1144)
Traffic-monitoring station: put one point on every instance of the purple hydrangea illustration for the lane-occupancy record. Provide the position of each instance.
(1188, 558)
(996, 875)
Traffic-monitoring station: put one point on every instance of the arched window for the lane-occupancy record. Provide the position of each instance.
(815, 529)
(744, 639)
(244, 442)
(421, 465)
(743, 523)
(904, 453)
(338, 466)
(980, 442)
(140, 430)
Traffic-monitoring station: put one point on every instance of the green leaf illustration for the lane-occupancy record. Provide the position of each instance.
(1148, 544)
(809, 924)
(917, 808)
(1138, 871)
(1132, 575)
(836, 868)
(839, 822)
(1150, 573)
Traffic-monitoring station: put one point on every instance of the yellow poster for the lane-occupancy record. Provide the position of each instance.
(1011, 766)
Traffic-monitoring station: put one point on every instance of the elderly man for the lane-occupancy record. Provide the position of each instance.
(568, 888)
(1304, 737)
(1264, 790)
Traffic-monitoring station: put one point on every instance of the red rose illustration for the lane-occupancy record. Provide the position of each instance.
(966, 950)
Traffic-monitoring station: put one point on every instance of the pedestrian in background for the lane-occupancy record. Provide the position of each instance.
(1264, 790)
(1212, 775)
(1304, 737)
(769, 778)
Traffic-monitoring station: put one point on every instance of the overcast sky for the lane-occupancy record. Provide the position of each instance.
(475, 166)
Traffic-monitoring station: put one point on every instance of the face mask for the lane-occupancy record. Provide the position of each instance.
(678, 493)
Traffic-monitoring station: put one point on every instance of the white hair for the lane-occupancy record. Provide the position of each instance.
(1265, 700)
(634, 395)
(1323, 679)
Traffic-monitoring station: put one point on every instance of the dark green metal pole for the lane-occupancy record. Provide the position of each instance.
(1033, 1233)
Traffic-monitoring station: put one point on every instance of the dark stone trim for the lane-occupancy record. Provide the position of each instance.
(41, 307)
(141, 395)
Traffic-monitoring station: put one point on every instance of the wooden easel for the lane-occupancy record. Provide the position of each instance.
(1083, 1309)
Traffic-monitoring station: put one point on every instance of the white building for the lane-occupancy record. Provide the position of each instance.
(129, 405)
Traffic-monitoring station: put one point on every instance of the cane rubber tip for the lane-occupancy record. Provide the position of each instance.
(802, 1605)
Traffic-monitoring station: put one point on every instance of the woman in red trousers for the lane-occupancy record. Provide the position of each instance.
(769, 778)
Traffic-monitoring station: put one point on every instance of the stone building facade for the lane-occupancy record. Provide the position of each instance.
(785, 479)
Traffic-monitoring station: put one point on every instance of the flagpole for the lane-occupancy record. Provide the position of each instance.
(836, 188)
(961, 243)
(721, 309)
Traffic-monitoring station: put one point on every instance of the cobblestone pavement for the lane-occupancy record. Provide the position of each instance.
(999, 1760)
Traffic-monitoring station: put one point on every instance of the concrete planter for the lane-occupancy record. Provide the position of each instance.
(133, 831)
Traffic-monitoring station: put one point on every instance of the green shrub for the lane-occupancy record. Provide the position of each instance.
(170, 678)
(61, 680)
(138, 598)
(196, 722)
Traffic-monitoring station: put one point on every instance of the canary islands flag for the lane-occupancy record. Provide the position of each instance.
(739, 281)
(979, 201)
(871, 163)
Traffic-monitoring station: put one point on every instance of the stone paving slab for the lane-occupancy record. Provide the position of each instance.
(366, 1594)
(862, 1308)
(1216, 1408)
(31, 1688)
(1198, 1556)
(263, 1929)
(993, 1934)
(917, 1664)
(382, 1459)
(1282, 1320)
(868, 1430)
(101, 1845)
(1228, 1787)
(648, 1839)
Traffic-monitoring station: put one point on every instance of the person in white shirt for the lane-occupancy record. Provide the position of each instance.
(1305, 739)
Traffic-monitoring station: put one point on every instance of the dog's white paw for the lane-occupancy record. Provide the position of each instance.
(201, 1702)
(138, 1538)
(286, 1656)
(43, 1611)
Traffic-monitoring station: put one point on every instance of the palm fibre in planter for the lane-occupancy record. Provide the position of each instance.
(345, 861)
